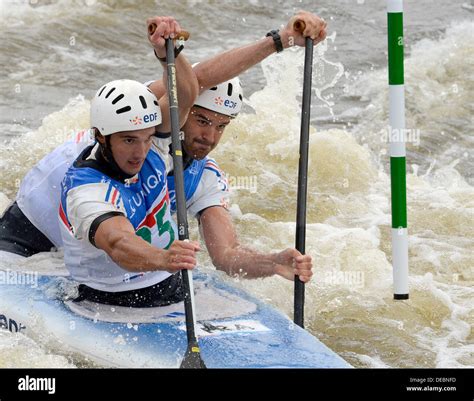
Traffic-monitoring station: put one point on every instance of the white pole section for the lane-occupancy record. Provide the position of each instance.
(397, 148)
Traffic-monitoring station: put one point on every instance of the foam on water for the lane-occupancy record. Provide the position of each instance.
(349, 303)
(18, 13)
(349, 194)
(439, 87)
(19, 351)
(29, 148)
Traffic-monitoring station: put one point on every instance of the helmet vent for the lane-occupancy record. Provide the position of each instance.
(229, 89)
(103, 88)
(214, 88)
(110, 91)
(155, 102)
(123, 110)
(118, 98)
(142, 101)
(240, 97)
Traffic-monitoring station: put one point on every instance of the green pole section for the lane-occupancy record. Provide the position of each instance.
(399, 192)
(397, 148)
(395, 49)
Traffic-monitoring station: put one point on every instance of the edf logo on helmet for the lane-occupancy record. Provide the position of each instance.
(227, 103)
(147, 118)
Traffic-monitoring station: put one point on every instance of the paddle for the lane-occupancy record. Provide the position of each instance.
(303, 171)
(192, 358)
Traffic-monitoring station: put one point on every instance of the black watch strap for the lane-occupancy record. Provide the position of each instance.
(276, 39)
(177, 50)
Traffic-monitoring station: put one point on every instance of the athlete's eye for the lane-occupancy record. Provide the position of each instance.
(129, 141)
(202, 123)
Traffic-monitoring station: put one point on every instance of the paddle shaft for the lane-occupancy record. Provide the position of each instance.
(303, 178)
(179, 191)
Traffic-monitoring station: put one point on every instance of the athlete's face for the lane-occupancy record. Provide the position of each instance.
(130, 148)
(203, 131)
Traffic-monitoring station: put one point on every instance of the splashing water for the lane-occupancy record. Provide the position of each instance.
(349, 303)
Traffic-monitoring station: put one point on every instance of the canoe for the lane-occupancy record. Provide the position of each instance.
(234, 329)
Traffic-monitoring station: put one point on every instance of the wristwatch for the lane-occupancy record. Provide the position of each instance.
(177, 50)
(276, 39)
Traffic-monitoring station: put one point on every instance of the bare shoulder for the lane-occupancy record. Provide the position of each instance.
(158, 88)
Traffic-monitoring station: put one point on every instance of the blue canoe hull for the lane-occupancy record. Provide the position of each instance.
(257, 336)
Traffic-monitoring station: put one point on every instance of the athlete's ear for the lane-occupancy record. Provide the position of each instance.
(98, 136)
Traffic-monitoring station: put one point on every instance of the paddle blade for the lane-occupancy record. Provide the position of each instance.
(192, 359)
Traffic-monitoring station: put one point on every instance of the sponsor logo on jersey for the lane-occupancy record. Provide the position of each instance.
(151, 182)
(157, 220)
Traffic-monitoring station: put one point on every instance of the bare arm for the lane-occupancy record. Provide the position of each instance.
(187, 83)
(117, 238)
(228, 255)
(233, 62)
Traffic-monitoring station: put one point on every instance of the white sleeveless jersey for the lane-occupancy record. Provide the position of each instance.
(87, 194)
(39, 193)
(205, 185)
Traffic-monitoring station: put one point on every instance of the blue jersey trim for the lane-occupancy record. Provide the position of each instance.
(192, 177)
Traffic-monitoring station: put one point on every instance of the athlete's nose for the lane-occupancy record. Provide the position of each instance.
(209, 134)
(141, 150)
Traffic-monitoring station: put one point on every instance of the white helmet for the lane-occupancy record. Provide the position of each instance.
(225, 98)
(124, 105)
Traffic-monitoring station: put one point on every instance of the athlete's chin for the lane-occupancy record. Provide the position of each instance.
(199, 156)
(201, 153)
(133, 172)
(133, 168)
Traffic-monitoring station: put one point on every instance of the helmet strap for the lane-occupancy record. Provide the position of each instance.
(105, 156)
(187, 159)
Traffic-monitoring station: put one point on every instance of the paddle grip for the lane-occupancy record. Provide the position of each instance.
(299, 25)
(183, 35)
